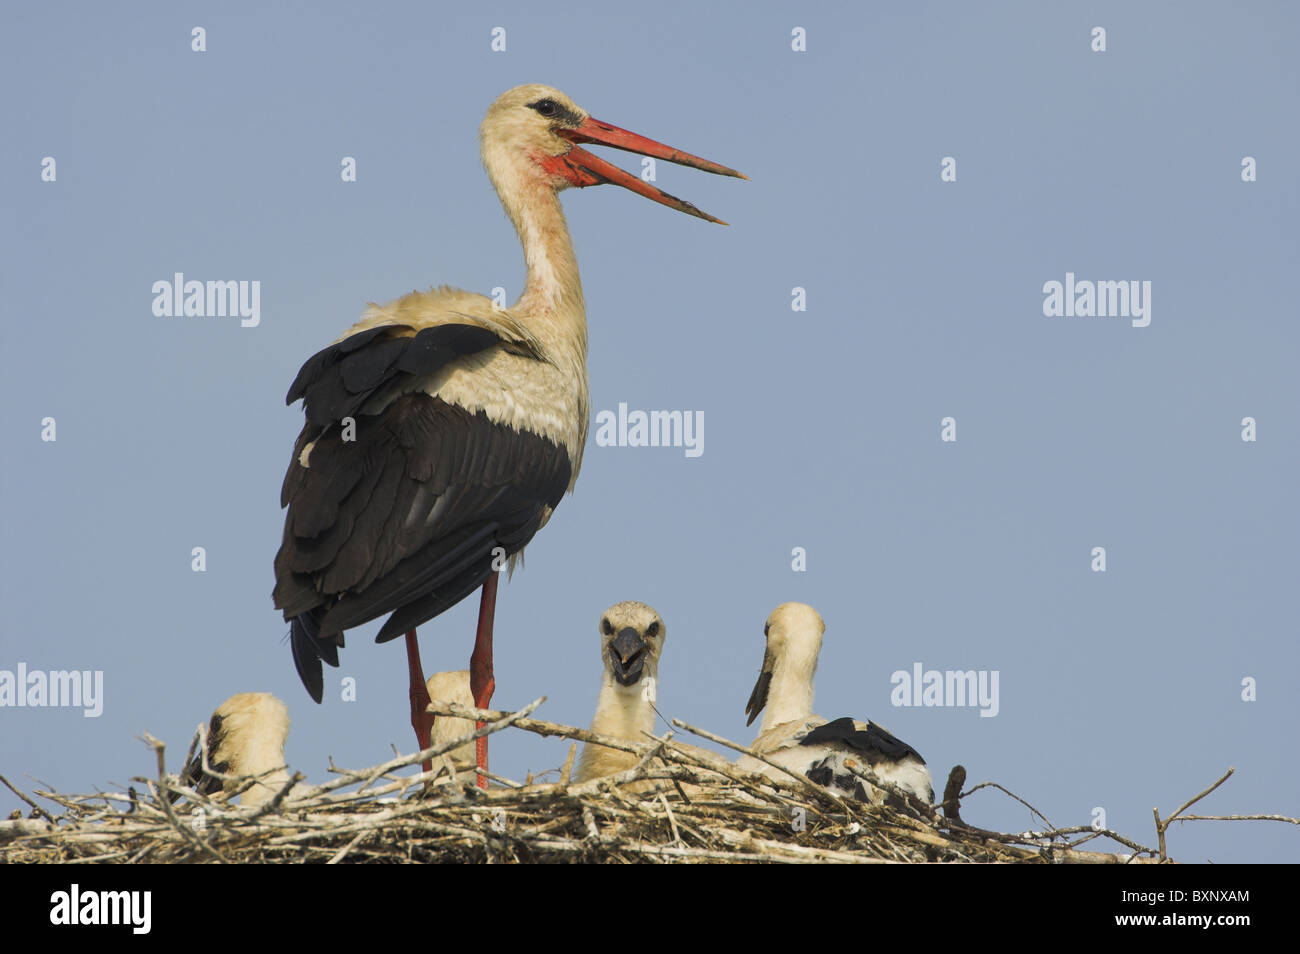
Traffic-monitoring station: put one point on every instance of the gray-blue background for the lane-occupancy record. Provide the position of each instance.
(1119, 690)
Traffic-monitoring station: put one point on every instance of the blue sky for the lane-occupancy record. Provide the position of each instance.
(1119, 690)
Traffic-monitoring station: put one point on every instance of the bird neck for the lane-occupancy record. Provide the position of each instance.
(790, 693)
(623, 711)
(553, 289)
(266, 787)
(262, 756)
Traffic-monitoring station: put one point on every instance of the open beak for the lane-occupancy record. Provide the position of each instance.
(627, 656)
(584, 169)
(758, 698)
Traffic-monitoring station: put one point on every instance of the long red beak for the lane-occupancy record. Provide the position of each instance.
(584, 169)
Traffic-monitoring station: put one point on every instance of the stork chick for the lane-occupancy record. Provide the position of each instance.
(453, 687)
(793, 737)
(246, 737)
(631, 643)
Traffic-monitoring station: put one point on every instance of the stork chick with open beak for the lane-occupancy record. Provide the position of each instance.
(632, 638)
(631, 641)
(466, 421)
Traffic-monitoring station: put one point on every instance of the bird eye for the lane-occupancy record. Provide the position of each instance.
(547, 107)
(652, 629)
(766, 627)
(605, 628)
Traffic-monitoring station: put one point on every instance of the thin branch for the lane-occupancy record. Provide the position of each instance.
(1163, 826)
(1279, 818)
(1007, 791)
(36, 808)
(567, 771)
(1196, 798)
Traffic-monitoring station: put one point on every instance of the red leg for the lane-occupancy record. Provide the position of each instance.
(421, 721)
(481, 681)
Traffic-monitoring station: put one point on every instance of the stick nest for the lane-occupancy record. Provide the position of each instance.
(672, 806)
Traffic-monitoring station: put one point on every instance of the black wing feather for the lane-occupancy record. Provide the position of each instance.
(307, 655)
(876, 744)
(193, 775)
(337, 381)
(404, 518)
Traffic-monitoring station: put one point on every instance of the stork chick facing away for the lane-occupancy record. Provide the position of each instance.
(452, 687)
(794, 738)
(441, 431)
(246, 736)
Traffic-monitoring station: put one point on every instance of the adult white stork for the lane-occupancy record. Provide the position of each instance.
(794, 738)
(441, 430)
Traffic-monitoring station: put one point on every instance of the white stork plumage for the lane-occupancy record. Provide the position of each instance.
(793, 737)
(246, 736)
(441, 430)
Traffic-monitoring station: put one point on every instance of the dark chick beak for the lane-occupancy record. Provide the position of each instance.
(758, 698)
(584, 169)
(192, 775)
(627, 656)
